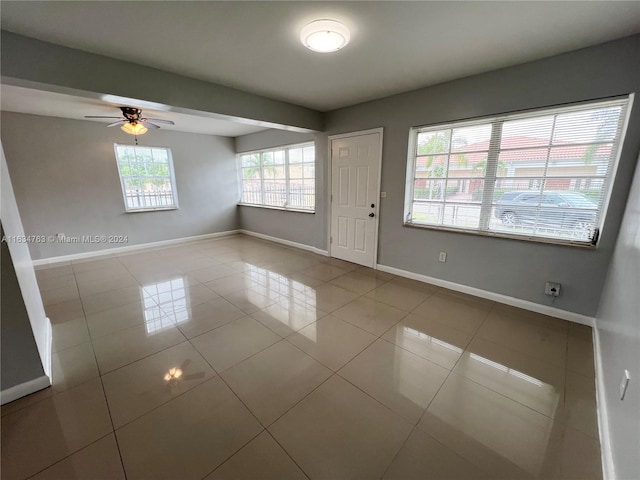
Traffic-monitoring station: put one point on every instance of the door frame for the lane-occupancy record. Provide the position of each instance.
(330, 140)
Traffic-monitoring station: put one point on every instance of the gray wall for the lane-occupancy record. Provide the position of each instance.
(509, 267)
(66, 180)
(20, 361)
(618, 325)
(293, 226)
(27, 61)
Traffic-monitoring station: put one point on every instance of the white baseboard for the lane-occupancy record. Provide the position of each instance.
(496, 297)
(288, 243)
(608, 467)
(130, 248)
(23, 389)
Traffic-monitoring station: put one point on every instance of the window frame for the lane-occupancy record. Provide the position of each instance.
(494, 150)
(287, 179)
(172, 178)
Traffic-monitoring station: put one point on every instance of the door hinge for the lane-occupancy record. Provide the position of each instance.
(332, 197)
(330, 239)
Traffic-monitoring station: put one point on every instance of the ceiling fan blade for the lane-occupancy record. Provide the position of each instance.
(148, 124)
(159, 120)
(98, 116)
(121, 122)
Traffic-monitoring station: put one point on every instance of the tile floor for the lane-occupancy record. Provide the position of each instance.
(241, 359)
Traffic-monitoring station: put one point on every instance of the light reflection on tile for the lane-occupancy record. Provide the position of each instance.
(205, 317)
(429, 339)
(141, 386)
(165, 304)
(397, 378)
(251, 300)
(126, 346)
(286, 317)
(228, 345)
(525, 379)
(331, 341)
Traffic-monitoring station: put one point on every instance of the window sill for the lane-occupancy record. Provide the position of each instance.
(271, 207)
(526, 238)
(144, 210)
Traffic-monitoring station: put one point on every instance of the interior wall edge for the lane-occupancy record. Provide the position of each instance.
(22, 264)
(608, 467)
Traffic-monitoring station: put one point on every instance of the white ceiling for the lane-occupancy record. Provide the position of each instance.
(395, 46)
(37, 102)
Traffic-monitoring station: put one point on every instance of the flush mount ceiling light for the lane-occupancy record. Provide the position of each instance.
(325, 36)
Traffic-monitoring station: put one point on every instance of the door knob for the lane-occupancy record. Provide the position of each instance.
(372, 214)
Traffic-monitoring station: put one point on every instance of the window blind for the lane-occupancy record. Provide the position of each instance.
(543, 174)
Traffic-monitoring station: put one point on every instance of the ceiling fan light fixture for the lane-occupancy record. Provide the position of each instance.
(134, 128)
(325, 36)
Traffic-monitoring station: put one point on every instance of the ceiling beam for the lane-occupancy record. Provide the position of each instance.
(32, 63)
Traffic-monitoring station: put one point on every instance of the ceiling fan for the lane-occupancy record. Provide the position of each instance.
(133, 122)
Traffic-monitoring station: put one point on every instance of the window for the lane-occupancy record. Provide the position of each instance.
(146, 175)
(543, 175)
(282, 177)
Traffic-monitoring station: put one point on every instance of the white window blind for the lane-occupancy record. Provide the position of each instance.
(542, 175)
(282, 177)
(146, 176)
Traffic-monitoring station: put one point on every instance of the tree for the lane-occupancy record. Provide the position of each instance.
(606, 130)
(432, 144)
(481, 168)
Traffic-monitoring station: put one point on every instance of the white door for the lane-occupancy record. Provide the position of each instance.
(355, 193)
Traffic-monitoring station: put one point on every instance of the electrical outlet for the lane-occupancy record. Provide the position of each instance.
(552, 289)
(624, 384)
(442, 257)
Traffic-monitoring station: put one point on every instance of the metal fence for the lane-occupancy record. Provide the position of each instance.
(143, 199)
(300, 196)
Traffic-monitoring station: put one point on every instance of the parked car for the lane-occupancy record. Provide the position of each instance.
(569, 211)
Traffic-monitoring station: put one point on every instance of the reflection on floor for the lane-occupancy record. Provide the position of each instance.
(242, 359)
